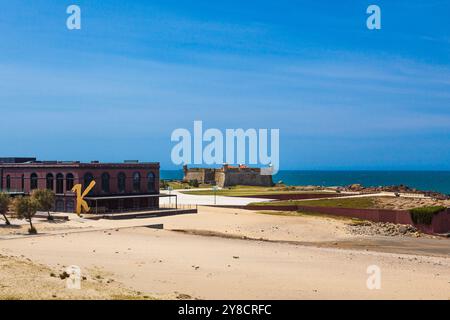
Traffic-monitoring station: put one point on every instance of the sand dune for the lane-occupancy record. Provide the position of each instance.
(169, 264)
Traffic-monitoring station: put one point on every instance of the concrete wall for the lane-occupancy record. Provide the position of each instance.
(247, 178)
(202, 175)
(440, 223)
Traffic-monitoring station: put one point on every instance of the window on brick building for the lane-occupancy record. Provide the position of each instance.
(121, 182)
(59, 183)
(33, 181)
(136, 182)
(49, 181)
(69, 181)
(88, 178)
(151, 182)
(105, 182)
(70, 206)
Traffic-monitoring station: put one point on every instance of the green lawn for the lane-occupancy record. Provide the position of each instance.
(359, 203)
(425, 214)
(183, 185)
(247, 191)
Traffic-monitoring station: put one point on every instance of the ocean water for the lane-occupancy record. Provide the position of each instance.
(423, 180)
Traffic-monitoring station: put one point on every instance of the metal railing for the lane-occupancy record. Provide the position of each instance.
(101, 210)
(12, 191)
(177, 206)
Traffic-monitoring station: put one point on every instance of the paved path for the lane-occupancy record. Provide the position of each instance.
(207, 199)
(184, 199)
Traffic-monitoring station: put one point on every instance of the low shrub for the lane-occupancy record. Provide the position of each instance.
(163, 184)
(194, 183)
(32, 230)
(424, 215)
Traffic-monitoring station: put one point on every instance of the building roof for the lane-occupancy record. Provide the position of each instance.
(33, 163)
(16, 159)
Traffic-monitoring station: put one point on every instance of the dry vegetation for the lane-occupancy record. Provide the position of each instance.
(22, 279)
(408, 203)
(17, 227)
(397, 203)
(360, 203)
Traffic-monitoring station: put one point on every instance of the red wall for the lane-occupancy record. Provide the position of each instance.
(440, 223)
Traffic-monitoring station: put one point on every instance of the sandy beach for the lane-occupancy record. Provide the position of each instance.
(223, 254)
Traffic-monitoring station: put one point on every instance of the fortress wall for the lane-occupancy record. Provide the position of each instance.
(227, 176)
(194, 174)
(247, 177)
(200, 174)
(220, 178)
(210, 176)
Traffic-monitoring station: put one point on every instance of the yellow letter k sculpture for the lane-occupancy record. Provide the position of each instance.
(81, 203)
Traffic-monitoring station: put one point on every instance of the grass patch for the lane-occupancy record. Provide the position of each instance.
(282, 213)
(424, 215)
(312, 214)
(248, 191)
(350, 203)
(176, 185)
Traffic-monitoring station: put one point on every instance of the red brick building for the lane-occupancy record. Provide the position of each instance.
(119, 186)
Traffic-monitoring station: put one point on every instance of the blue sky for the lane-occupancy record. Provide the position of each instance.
(343, 97)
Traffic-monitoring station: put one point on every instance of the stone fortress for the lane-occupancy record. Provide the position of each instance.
(228, 176)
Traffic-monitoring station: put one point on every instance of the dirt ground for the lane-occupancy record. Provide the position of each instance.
(21, 278)
(220, 254)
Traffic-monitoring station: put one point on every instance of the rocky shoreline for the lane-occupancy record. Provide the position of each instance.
(396, 189)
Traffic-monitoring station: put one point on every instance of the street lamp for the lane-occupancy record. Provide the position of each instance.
(170, 198)
(215, 188)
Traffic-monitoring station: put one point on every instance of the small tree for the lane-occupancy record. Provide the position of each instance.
(5, 201)
(25, 208)
(45, 200)
(163, 184)
(194, 183)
